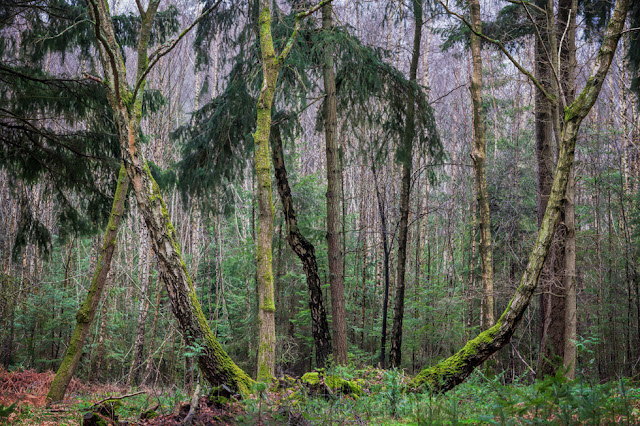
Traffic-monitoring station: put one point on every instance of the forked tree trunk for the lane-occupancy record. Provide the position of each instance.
(395, 353)
(306, 252)
(87, 311)
(334, 186)
(453, 370)
(478, 156)
(215, 364)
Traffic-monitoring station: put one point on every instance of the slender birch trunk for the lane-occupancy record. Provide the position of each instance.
(306, 252)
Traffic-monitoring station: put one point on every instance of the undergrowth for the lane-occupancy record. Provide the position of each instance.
(382, 401)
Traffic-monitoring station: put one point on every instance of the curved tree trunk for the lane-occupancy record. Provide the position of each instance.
(87, 311)
(455, 369)
(306, 252)
(395, 353)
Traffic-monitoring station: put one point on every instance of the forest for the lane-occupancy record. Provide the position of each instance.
(312, 212)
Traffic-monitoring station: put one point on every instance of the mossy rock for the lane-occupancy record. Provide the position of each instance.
(318, 382)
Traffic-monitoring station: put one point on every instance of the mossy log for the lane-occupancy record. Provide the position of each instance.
(455, 369)
(320, 383)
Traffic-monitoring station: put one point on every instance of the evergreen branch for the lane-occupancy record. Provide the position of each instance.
(168, 47)
(503, 49)
(298, 22)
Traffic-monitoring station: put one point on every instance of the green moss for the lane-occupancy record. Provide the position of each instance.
(337, 384)
(433, 377)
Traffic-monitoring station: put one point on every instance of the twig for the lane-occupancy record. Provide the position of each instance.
(117, 397)
(194, 404)
(522, 359)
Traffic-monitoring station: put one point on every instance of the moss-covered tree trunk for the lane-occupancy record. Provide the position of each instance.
(266, 301)
(453, 370)
(478, 156)
(215, 364)
(334, 188)
(395, 353)
(306, 252)
(87, 311)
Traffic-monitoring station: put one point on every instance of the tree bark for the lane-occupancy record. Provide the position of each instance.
(306, 252)
(334, 185)
(87, 312)
(478, 157)
(455, 369)
(566, 37)
(395, 353)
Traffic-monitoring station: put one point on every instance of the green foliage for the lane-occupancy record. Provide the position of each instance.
(5, 412)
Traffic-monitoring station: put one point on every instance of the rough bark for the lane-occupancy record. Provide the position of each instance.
(395, 353)
(334, 185)
(478, 157)
(551, 331)
(455, 369)
(566, 37)
(215, 364)
(306, 252)
(87, 311)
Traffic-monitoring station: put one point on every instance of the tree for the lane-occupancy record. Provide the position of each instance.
(334, 187)
(305, 251)
(478, 157)
(453, 370)
(126, 103)
(406, 156)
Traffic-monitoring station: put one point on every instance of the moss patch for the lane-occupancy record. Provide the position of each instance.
(318, 382)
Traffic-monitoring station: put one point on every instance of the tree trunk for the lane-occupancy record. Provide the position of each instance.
(306, 252)
(566, 36)
(334, 185)
(478, 157)
(87, 311)
(266, 304)
(455, 369)
(215, 364)
(385, 252)
(395, 354)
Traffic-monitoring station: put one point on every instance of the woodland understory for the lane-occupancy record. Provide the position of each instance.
(311, 212)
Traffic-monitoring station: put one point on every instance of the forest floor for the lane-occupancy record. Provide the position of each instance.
(381, 401)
